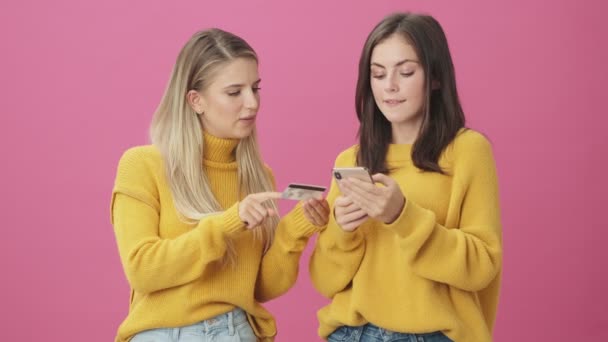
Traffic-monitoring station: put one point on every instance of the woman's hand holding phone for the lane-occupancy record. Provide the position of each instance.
(349, 215)
(381, 203)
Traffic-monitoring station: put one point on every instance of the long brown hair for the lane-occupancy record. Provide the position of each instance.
(442, 113)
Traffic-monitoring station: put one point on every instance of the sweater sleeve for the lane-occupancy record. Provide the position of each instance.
(152, 263)
(279, 266)
(467, 257)
(337, 254)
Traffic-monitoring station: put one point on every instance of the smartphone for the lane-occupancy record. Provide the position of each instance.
(301, 192)
(359, 172)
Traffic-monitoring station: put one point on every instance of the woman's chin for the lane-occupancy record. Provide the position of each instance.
(399, 117)
(243, 133)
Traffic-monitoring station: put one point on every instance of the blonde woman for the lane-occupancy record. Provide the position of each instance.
(194, 213)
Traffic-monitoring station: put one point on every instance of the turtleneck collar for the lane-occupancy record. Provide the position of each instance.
(219, 150)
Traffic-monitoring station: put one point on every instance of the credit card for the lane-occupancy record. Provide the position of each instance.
(302, 192)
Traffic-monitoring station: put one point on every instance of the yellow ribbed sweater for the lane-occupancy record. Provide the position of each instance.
(174, 268)
(437, 267)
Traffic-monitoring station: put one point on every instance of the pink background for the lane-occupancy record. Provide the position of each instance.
(80, 80)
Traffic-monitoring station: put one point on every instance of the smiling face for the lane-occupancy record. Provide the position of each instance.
(398, 81)
(228, 106)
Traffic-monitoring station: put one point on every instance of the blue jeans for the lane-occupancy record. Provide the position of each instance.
(229, 327)
(372, 333)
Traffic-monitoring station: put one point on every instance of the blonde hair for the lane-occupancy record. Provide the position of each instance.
(177, 132)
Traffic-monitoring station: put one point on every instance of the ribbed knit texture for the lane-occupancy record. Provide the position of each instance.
(175, 269)
(436, 267)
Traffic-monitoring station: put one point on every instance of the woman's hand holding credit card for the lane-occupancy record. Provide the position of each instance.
(302, 192)
(315, 206)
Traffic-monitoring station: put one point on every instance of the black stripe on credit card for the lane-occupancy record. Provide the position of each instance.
(306, 187)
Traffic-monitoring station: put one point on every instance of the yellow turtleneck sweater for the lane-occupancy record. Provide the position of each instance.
(437, 267)
(175, 269)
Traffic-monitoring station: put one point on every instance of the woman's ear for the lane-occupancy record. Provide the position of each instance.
(435, 85)
(196, 102)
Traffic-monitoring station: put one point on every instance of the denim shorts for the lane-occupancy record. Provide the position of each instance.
(229, 327)
(372, 333)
